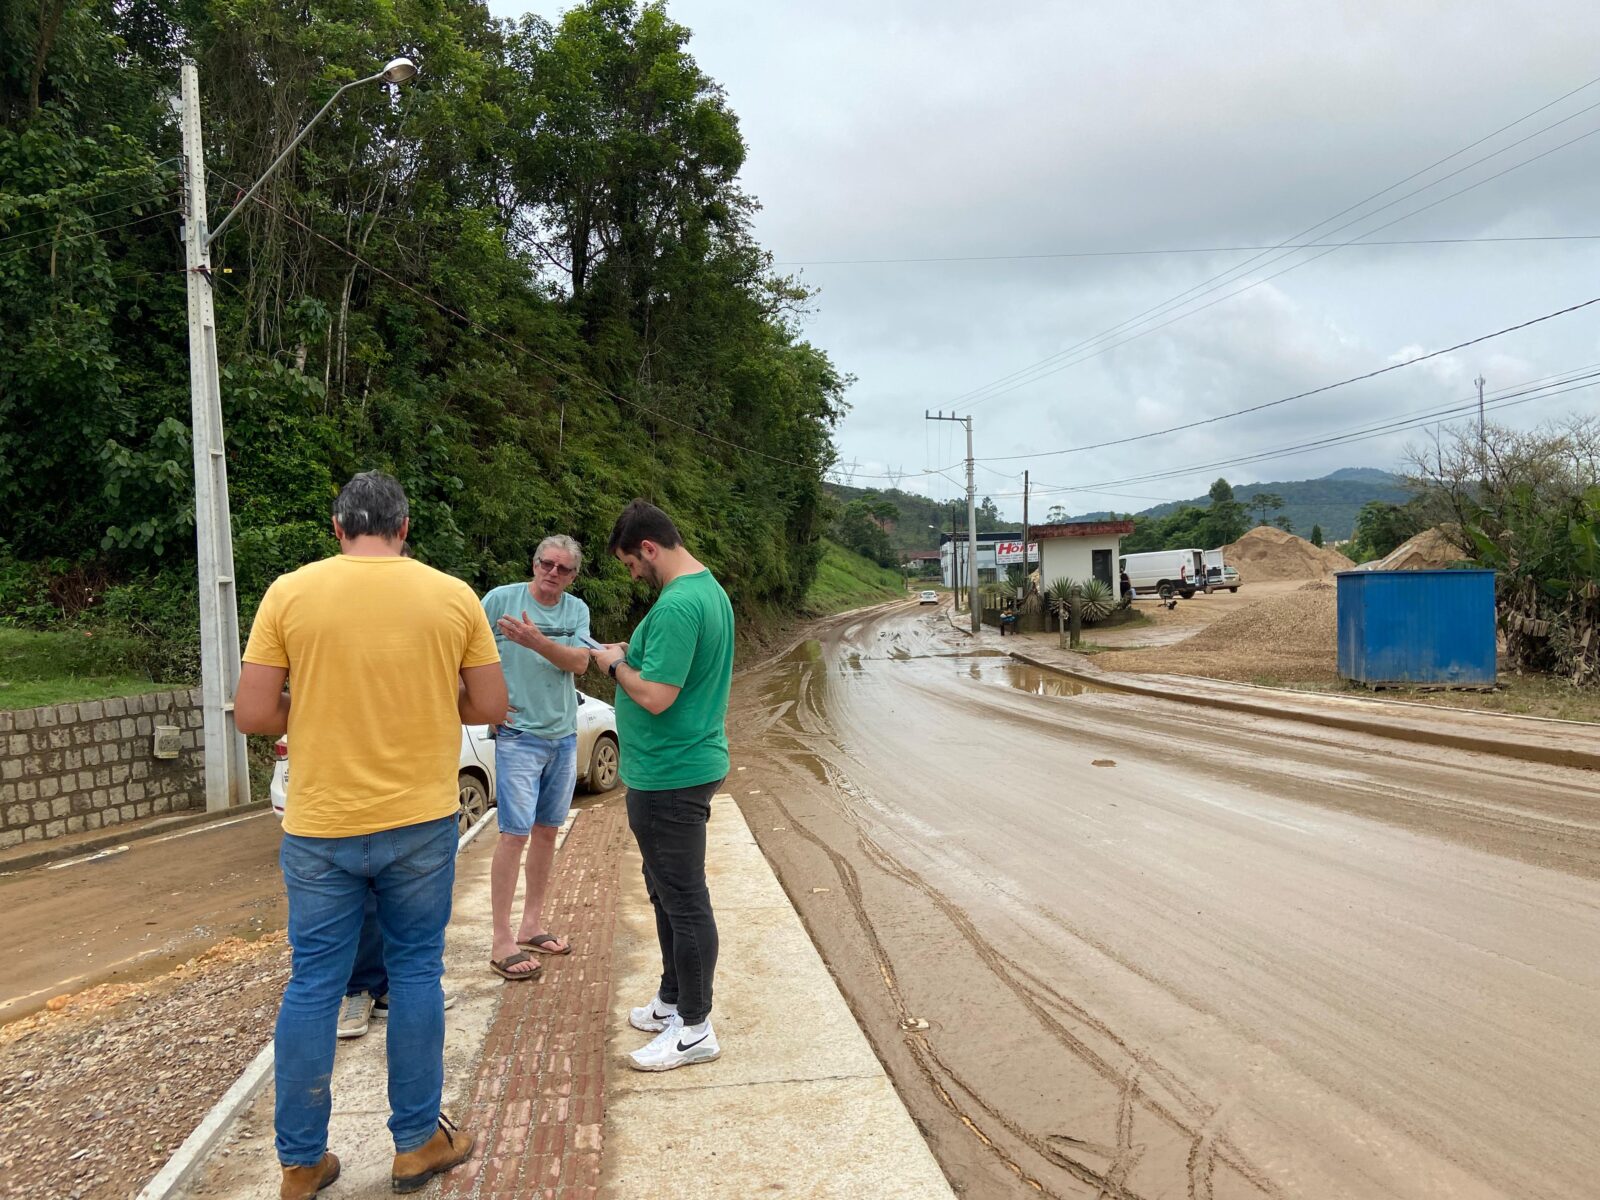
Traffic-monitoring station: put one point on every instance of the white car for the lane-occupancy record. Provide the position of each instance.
(597, 761)
(928, 597)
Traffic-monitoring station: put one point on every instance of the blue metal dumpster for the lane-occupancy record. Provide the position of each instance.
(1411, 627)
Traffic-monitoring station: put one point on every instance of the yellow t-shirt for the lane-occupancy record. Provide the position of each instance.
(374, 648)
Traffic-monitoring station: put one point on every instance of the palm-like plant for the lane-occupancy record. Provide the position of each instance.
(1093, 598)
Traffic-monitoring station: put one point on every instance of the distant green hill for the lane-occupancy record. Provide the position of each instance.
(917, 513)
(1332, 501)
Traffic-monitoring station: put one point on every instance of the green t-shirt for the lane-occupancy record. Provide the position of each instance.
(686, 639)
(545, 696)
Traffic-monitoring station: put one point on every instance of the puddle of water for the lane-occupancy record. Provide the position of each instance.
(1034, 681)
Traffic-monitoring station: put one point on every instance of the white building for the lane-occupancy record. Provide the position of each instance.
(995, 551)
(1080, 550)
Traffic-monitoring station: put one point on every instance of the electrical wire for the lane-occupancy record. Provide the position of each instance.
(569, 372)
(1432, 416)
(1267, 279)
(34, 233)
(981, 258)
(1222, 279)
(1327, 387)
(73, 237)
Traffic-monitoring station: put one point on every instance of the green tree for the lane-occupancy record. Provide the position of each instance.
(1316, 535)
(1381, 527)
(526, 284)
(1284, 524)
(1266, 502)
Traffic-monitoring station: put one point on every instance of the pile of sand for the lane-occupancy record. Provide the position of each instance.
(1267, 553)
(1292, 637)
(1430, 550)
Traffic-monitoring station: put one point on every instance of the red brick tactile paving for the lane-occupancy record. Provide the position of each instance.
(538, 1102)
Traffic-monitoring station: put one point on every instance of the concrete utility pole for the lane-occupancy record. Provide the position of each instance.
(1480, 381)
(972, 520)
(227, 774)
(1024, 533)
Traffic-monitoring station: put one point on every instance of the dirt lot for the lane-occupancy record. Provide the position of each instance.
(80, 1121)
(1283, 634)
(1278, 633)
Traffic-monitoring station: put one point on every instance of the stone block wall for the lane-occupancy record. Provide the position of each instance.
(68, 768)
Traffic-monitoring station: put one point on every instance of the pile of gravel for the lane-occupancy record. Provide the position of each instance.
(1287, 639)
(1266, 554)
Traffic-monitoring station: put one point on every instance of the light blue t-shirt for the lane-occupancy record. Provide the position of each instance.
(545, 697)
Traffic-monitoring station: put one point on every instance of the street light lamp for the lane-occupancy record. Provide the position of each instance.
(226, 773)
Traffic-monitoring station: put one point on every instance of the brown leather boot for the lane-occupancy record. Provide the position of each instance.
(302, 1183)
(448, 1147)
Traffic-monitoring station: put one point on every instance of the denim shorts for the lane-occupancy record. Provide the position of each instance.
(534, 778)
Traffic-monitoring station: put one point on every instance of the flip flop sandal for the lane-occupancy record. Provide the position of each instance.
(541, 943)
(502, 967)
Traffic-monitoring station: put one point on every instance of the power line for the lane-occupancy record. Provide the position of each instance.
(1327, 387)
(1430, 416)
(569, 372)
(979, 258)
(73, 237)
(1284, 271)
(1222, 278)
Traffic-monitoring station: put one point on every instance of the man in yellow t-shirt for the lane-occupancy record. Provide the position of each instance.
(387, 659)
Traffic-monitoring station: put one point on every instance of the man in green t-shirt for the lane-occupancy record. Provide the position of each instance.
(672, 706)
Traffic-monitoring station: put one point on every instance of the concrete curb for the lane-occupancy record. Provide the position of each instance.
(196, 1148)
(1551, 755)
(116, 835)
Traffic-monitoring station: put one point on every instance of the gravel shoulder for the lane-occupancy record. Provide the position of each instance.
(101, 1088)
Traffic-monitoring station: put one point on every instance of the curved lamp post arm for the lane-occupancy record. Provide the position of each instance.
(388, 73)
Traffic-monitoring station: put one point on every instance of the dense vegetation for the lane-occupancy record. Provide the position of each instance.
(524, 283)
(1527, 505)
(906, 521)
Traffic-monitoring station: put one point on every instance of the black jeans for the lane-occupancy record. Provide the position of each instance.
(670, 827)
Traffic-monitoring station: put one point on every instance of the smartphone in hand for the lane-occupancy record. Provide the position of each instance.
(590, 642)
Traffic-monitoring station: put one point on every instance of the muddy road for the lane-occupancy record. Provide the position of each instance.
(134, 911)
(1123, 948)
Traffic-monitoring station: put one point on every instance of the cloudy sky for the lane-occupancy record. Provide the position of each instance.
(1032, 138)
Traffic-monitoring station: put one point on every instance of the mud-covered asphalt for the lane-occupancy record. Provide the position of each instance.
(132, 911)
(1117, 947)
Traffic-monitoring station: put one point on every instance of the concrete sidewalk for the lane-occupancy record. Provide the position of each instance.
(1530, 739)
(797, 1103)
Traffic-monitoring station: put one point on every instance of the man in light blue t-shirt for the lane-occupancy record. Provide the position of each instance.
(540, 630)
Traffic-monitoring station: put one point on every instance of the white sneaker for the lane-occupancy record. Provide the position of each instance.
(653, 1017)
(354, 1015)
(678, 1045)
(380, 1006)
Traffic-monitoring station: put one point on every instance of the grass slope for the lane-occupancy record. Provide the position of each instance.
(61, 668)
(846, 580)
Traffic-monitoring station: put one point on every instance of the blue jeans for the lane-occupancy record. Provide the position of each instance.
(368, 974)
(409, 872)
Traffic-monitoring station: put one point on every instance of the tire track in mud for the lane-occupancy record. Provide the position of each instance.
(1191, 1124)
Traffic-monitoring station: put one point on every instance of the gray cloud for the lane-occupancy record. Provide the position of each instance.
(939, 128)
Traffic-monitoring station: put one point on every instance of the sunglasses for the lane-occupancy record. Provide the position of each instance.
(555, 568)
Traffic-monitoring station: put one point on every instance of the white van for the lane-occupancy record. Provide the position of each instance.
(1166, 572)
(1219, 574)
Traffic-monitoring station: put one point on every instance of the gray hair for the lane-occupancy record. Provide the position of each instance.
(371, 503)
(566, 545)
